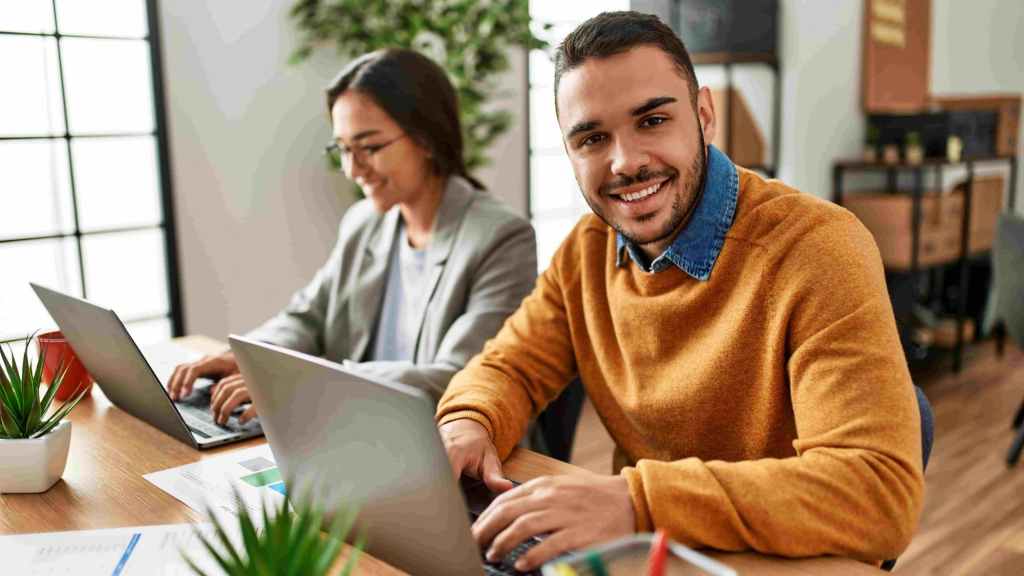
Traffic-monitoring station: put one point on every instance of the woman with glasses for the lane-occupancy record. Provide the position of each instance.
(426, 268)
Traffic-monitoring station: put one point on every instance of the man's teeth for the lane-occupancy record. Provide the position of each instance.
(642, 193)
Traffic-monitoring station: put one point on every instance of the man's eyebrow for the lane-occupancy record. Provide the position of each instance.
(582, 127)
(652, 104)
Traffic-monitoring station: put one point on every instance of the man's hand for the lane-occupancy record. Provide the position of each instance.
(229, 393)
(184, 376)
(472, 453)
(574, 512)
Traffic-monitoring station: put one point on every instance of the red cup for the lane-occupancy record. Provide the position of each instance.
(58, 352)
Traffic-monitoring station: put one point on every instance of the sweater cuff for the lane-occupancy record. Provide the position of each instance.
(636, 493)
(468, 415)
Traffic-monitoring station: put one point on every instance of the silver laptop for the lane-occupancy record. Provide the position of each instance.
(136, 384)
(348, 438)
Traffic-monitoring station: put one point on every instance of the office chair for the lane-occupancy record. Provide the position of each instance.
(556, 425)
(927, 436)
(1008, 269)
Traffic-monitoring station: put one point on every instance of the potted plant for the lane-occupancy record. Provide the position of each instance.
(34, 439)
(912, 149)
(871, 139)
(290, 541)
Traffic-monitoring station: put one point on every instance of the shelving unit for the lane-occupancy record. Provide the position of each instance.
(936, 166)
(727, 60)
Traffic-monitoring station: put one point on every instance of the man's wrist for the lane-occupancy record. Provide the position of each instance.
(471, 415)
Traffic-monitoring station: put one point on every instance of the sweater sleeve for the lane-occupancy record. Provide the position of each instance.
(855, 486)
(520, 370)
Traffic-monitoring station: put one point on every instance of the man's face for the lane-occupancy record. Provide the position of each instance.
(635, 142)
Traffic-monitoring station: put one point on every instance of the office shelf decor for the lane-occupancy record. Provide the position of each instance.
(730, 34)
(934, 235)
(34, 440)
(470, 40)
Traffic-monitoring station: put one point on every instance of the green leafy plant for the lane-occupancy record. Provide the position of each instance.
(23, 412)
(289, 544)
(912, 139)
(468, 38)
(872, 135)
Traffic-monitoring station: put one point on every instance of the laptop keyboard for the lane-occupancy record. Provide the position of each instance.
(505, 566)
(200, 420)
(478, 496)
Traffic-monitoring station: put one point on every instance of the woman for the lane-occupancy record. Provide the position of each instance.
(426, 268)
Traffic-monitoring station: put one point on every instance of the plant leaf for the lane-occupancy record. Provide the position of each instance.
(13, 382)
(61, 412)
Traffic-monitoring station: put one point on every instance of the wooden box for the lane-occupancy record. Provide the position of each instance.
(889, 217)
(986, 204)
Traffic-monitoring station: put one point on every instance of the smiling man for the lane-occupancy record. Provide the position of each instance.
(734, 335)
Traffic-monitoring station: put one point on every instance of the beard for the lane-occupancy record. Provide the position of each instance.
(682, 205)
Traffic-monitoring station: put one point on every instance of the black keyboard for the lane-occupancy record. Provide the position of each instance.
(477, 498)
(505, 566)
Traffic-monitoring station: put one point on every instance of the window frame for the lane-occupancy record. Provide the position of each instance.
(163, 165)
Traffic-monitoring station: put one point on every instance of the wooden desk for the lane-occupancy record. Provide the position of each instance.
(103, 487)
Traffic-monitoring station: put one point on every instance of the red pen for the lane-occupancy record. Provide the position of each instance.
(656, 557)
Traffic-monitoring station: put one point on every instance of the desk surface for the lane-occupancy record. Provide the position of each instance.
(103, 487)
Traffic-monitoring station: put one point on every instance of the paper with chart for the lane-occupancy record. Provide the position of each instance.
(208, 483)
(141, 551)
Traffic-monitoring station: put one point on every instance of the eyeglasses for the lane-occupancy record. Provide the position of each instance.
(347, 156)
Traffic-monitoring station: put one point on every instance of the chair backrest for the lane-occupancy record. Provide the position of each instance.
(1008, 268)
(927, 425)
(927, 436)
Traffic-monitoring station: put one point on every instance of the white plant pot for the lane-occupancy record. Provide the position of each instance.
(34, 465)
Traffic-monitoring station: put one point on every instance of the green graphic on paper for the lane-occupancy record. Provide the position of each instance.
(262, 478)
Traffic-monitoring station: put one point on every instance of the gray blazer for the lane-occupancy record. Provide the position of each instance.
(484, 261)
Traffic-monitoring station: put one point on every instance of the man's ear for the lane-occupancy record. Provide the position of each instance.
(706, 114)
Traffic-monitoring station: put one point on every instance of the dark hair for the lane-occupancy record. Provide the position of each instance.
(611, 33)
(416, 93)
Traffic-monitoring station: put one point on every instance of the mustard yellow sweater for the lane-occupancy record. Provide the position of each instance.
(769, 408)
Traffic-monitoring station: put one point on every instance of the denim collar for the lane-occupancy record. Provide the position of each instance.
(697, 246)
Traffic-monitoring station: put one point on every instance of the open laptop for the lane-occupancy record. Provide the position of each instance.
(134, 382)
(347, 438)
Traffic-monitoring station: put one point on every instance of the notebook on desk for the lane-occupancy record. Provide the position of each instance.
(135, 382)
(373, 444)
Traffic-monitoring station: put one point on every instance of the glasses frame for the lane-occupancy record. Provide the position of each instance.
(361, 155)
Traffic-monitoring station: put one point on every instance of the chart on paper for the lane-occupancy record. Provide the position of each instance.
(212, 483)
(142, 550)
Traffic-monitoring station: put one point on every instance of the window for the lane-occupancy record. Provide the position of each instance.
(84, 187)
(556, 203)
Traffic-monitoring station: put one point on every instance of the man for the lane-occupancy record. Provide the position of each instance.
(734, 335)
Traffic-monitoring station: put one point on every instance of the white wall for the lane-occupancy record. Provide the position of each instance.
(974, 49)
(256, 208)
(505, 177)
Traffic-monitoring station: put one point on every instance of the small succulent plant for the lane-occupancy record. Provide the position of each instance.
(24, 414)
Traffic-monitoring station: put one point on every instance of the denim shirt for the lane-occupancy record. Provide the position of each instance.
(697, 246)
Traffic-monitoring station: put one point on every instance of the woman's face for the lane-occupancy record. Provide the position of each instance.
(376, 154)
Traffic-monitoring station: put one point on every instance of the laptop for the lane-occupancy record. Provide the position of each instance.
(134, 382)
(344, 437)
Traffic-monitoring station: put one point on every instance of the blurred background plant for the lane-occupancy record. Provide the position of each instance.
(468, 38)
(287, 539)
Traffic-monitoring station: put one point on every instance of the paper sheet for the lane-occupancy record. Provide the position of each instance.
(208, 483)
(142, 551)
